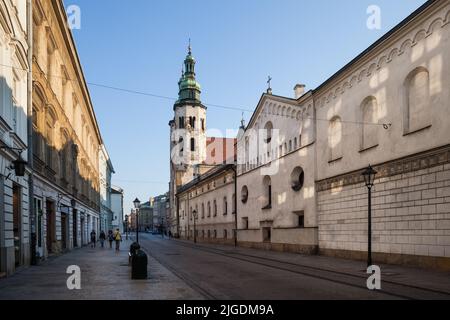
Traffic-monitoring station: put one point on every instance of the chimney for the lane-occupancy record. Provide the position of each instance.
(299, 90)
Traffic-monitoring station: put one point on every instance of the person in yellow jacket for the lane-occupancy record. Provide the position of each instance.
(118, 239)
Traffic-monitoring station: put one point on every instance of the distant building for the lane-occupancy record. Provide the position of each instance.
(146, 216)
(159, 211)
(117, 208)
(105, 171)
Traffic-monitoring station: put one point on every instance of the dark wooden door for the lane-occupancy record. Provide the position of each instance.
(64, 231)
(50, 226)
(74, 228)
(17, 222)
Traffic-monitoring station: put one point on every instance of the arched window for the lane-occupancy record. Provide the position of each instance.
(192, 144)
(49, 135)
(417, 109)
(181, 143)
(369, 134)
(203, 211)
(225, 233)
(233, 204)
(225, 206)
(37, 136)
(215, 208)
(297, 179)
(335, 138)
(267, 184)
(244, 194)
(268, 132)
(209, 209)
(64, 155)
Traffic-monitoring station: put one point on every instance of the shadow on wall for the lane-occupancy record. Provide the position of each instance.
(64, 168)
(59, 158)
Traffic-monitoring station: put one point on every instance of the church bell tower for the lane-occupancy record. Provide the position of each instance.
(187, 129)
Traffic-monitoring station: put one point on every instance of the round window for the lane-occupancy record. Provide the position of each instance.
(244, 194)
(297, 179)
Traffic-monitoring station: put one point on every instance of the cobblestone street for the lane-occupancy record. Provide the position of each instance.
(184, 270)
(105, 275)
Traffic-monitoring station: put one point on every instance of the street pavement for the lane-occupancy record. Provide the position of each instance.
(184, 270)
(105, 275)
(226, 272)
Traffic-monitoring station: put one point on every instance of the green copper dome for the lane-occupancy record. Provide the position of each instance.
(189, 88)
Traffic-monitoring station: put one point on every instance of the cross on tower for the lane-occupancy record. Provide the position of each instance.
(269, 89)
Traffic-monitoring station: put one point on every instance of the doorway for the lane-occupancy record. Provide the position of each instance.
(267, 234)
(38, 210)
(74, 228)
(50, 205)
(82, 231)
(64, 231)
(17, 221)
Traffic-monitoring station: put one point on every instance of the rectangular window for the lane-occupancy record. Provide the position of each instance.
(245, 223)
(181, 122)
(300, 219)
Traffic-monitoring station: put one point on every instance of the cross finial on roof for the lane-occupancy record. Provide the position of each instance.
(269, 88)
(190, 48)
(242, 121)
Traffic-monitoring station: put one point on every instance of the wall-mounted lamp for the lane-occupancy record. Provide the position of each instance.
(19, 165)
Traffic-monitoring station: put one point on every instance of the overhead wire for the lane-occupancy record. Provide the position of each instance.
(386, 125)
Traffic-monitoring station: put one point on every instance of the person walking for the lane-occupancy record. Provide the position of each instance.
(102, 238)
(93, 239)
(110, 238)
(118, 239)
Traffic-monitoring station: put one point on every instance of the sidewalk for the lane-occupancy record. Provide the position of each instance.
(105, 275)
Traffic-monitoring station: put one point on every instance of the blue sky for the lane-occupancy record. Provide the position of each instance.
(140, 45)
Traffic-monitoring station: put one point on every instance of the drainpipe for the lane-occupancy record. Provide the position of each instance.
(234, 167)
(32, 212)
(178, 215)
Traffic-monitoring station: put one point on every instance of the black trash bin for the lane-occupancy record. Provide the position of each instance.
(139, 265)
(134, 246)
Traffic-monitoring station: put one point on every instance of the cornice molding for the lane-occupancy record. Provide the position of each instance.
(418, 161)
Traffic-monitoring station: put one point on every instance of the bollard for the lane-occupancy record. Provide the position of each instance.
(139, 265)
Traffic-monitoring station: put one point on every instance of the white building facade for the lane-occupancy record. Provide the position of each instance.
(106, 170)
(117, 208)
(389, 108)
(14, 190)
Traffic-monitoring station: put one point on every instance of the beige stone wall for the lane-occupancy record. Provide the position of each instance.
(411, 212)
(218, 189)
(66, 134)
(405, 81)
